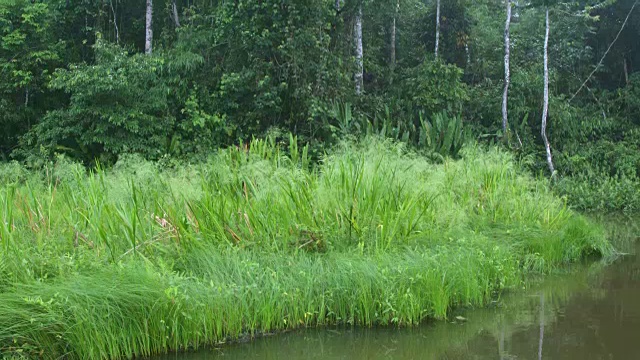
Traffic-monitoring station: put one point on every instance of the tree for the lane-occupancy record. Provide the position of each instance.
(115, 22)
(545, 104)
(119, 104)
(546, 4)
(244, 67)
(450, 21)
(357, 34)
(624, 59)
(175, 14)
(392, 55)
(507, 77)
(148, 39)
(437, 27)
(29, 52)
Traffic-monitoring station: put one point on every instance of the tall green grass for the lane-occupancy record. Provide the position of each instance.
(140, 260)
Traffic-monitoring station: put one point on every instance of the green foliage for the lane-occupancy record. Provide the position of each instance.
(415, 114)
(435, 86)
(117, 105)
(274, 63)
(443, 135)
(626, 100)
(28, 54)
(13, 172)
(142, 259)
(455, 26)
(486, 35)
(601, 192)
(596, 148)
(74, 80)
(440, 137)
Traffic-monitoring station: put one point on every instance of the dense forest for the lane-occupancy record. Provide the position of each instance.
(554, 81)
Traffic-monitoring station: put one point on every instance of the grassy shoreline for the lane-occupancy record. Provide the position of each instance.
(137, 261)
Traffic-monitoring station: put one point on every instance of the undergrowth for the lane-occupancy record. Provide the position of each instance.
(139, 259)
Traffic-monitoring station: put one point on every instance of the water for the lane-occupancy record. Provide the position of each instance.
(591, 313)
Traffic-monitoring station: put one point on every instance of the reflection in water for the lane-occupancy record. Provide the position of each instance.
(541, 326)
(593, 313)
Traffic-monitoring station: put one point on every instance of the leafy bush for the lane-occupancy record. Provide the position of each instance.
(13, 172)
(117, 105)
(435, 86)
(601, 192)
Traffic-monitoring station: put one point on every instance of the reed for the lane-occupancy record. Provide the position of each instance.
(140, 260)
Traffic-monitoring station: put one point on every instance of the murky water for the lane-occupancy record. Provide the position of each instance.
(591, 313)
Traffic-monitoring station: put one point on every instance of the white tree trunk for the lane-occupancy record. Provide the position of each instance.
(545, 107)
(148, 39)
(359, 75)
(115, 23)
(176, 16)
(507, 75)
(393, 43)
(392, 56)
(437, 27)
(467, 51)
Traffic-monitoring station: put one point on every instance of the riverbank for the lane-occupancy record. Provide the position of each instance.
(137, 260)
(524, 323)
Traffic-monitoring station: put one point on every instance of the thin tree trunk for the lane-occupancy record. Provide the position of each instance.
(467, 51)
(115, 22)
(626, 71)
(507, 75)
(359, 75)
(437, 27)
(545, 108)
(148, 41)
(392, 56)
(176, 16)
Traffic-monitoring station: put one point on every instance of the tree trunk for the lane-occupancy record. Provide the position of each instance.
(392, 55)
(148, 40)
(467, 51)
(176, 16)
(359, 75)
(507, 75)
(626, 71)
(115, 23)
(437, 27)
(545, 108)
(338, 5)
